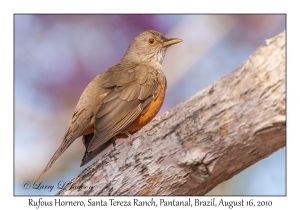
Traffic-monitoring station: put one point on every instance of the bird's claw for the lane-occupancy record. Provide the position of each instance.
(130, 140)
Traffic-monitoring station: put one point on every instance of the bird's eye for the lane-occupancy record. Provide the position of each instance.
(151, 41)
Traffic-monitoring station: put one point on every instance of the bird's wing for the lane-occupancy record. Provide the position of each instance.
(131, 93)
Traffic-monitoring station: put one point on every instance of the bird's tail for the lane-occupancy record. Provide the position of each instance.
(67, 141)
(88, 156)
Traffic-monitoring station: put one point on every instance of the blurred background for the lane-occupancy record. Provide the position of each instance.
(56, 56)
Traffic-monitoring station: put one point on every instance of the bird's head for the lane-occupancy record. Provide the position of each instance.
(149, 47)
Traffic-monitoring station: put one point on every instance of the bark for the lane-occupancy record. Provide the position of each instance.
(223, 129)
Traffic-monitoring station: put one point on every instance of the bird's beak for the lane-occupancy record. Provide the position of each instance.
(171, 42)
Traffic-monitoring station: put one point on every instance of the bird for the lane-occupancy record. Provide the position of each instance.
(120, 100)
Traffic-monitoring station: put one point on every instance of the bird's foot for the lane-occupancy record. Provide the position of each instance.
(114, 142)
(130, 140)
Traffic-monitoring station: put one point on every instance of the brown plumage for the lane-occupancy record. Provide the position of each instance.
(122, 99)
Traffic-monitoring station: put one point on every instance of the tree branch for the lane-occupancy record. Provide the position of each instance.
(201, 142)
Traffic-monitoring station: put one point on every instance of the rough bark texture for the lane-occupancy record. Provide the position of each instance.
(223, 129)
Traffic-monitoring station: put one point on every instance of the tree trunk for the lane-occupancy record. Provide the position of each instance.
(193, 147)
